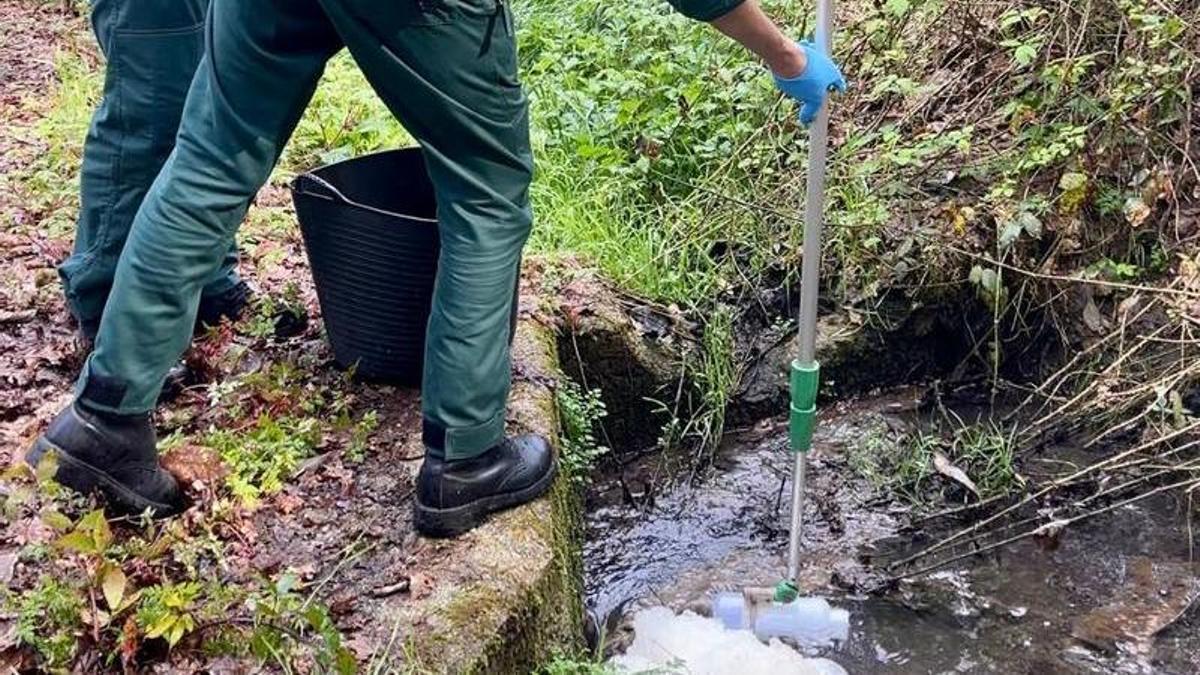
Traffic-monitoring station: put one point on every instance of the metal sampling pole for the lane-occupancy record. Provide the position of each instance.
(805, 373)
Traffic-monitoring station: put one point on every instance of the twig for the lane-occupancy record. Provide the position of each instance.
(1178, 292)
(957, 536)
(1056, 525)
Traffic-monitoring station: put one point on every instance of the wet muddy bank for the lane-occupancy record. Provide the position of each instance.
(1109, 595)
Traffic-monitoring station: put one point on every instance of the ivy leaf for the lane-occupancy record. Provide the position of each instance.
(112, 583)
(47, 467)
(1010, 233)
(76, 541)
(55, 520)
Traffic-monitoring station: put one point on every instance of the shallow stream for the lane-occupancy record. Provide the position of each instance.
(1110, 595)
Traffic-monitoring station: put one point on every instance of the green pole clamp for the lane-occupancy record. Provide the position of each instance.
(805, 379)
(786, 591)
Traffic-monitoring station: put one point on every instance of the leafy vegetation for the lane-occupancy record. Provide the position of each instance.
(907, 462)
(115, 593)
(580, 413)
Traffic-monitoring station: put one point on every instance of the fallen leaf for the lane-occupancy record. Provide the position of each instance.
(17, 316)
(312, 463)
(1092, 317)
(288, 503)
(1074, 188)
(1128, 305)
(1154, 596)
(420, 585)
(944, 466)
(112, 583)
(343, 603)
(191, 463)
(8, 565)
(400, 586)
(1136, 211)
(1049, 536)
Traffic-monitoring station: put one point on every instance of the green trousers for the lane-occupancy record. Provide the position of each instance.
(152, 48)
(447, 69)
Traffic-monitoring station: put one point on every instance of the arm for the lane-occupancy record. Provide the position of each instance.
(751, 27)
(801, 71)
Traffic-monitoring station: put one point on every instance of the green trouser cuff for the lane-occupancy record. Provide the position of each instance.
(805, 379)
(462, 442)
(103, 393)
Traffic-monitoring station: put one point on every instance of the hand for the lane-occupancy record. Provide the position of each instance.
(811, 86)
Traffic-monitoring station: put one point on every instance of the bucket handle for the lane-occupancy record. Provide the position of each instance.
(315, 186)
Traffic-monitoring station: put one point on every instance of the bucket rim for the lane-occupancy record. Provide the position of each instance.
(311, 175)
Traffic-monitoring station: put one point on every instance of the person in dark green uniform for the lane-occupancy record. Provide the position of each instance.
(152, 48)
(448, 70)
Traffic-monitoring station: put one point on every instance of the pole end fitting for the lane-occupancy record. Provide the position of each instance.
(786, 591)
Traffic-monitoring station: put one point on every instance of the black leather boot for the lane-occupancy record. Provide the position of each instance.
(453, 497)
(227, 305)
(213, 308)
(115, 454)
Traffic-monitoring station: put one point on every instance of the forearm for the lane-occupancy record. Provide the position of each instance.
(801, 71)
(751, 27)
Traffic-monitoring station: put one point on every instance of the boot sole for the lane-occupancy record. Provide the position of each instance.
(85, 479)
(445, 523)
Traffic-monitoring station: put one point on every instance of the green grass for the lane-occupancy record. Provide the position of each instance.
(50, 186)
(987, 451)
(344, 119)
(568, 666)
(903, 462)
(893, 461)
(634, 109)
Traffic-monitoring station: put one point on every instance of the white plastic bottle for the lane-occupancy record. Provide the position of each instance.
(807, 622)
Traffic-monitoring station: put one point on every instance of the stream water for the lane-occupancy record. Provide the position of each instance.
(1110, 595)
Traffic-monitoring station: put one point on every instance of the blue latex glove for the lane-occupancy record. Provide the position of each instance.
(810, 87)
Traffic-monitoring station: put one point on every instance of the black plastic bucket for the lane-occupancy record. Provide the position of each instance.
(370, 229)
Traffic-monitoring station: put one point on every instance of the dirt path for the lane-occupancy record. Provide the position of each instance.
(277, 390)
(28, 35)
(37, 350)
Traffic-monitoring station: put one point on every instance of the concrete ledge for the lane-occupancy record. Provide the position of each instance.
(503, 598)
(517, 599)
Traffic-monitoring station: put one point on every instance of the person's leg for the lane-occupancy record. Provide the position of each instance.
(152, 48)
(448, 71)
(263, 60)
(262, 63)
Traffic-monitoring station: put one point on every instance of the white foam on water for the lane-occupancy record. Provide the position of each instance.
(689, 643)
